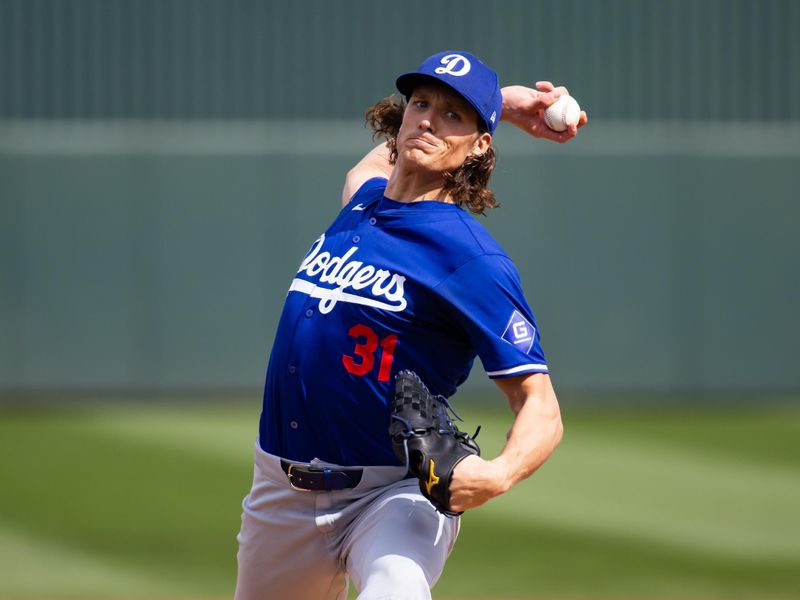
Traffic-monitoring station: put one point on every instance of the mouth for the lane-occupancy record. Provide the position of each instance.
(421, 142)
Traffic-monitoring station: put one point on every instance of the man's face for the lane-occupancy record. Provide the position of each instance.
(439, 130)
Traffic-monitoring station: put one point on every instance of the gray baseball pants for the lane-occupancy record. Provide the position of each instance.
(382, 535)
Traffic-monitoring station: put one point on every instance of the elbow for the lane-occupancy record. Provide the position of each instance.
(558, 432)
(348, 191)
(351, 175)
(556, 425)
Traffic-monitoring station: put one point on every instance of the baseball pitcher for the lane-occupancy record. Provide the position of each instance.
(361, 470)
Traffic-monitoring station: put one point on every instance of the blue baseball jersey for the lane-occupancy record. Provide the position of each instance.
(389, 286)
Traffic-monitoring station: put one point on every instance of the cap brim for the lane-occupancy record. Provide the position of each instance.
(407, 82)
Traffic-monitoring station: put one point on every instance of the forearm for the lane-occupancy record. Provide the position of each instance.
(517, 102)
(536, 432)
(534, 435)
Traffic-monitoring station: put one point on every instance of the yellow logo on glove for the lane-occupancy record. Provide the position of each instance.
(432, 478)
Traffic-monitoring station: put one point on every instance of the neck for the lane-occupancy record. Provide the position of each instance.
(413, 185)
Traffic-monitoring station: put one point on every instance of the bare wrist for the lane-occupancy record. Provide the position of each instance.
(509, 105)
(505, 479)
(516, 98)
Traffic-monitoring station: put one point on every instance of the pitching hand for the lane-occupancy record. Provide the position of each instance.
(524, 108)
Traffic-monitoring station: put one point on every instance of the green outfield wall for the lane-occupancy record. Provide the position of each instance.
(157, 256)
(164, 165)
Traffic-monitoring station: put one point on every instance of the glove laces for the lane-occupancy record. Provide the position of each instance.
(443, 413)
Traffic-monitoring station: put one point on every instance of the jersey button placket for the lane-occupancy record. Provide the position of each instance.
(373, 220)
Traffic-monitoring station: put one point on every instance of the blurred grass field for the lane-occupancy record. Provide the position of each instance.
(104, 500)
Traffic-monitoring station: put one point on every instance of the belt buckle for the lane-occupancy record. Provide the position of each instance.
(289, 474)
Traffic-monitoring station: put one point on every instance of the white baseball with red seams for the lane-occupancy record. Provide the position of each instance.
(562, 113)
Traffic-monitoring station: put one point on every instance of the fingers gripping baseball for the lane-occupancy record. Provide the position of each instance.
(524, 108)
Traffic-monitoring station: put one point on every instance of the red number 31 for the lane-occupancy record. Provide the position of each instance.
(364, 353)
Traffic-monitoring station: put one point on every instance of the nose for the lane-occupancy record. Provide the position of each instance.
(425, 123)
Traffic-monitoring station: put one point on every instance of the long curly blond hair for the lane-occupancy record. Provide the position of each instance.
(467, 185)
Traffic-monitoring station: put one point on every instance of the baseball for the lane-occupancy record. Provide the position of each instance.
(562, 113)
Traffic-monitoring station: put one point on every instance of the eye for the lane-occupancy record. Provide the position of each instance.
(420, 103)
(452, 115)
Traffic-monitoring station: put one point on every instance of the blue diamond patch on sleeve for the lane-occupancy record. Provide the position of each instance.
(519, 332)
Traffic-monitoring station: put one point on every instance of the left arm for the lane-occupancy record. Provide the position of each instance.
(536, 432)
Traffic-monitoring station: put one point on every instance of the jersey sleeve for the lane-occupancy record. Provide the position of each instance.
(486, 299)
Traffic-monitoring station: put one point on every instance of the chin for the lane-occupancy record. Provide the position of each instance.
(416, 157)
(422, 158)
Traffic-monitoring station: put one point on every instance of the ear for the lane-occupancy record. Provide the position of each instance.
(481, 144)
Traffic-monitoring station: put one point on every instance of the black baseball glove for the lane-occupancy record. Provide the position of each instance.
(423, 433)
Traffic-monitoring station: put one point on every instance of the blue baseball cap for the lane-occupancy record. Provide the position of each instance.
(467, 75)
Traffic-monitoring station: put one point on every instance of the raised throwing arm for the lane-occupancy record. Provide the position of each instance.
(523, 107)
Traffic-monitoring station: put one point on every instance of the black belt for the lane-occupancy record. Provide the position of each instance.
(315, 478)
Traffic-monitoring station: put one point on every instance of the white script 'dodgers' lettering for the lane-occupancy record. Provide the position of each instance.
(341, 274)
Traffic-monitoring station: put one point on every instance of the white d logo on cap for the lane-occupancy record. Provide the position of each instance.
(454, 64)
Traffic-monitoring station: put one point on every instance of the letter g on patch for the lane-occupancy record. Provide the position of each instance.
(519, 332)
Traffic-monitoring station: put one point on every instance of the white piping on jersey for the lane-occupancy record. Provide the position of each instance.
(519, 369)
(344, 273)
